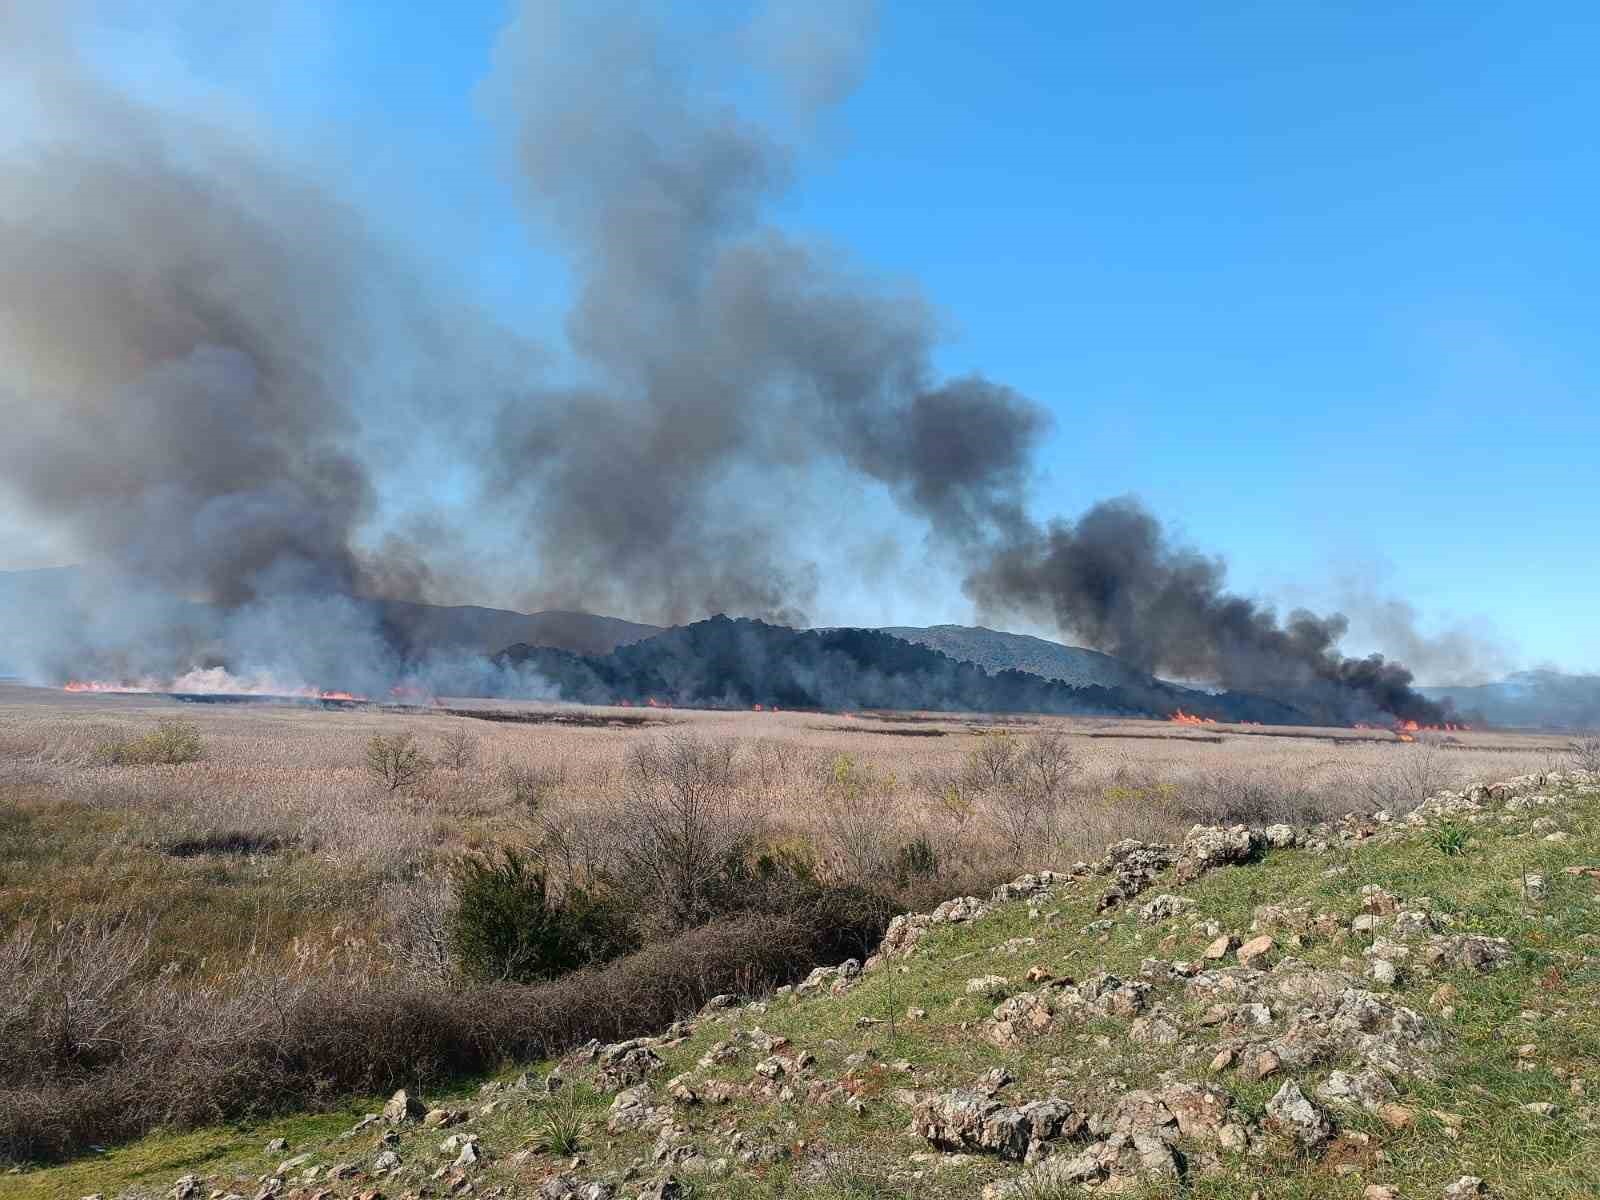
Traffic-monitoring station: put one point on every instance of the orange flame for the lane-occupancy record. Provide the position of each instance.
(1182, 718)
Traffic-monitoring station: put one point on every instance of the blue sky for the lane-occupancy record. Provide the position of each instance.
(1316, 281)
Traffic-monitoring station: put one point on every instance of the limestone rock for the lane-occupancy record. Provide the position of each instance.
(1297, 1116)
(403, 1107)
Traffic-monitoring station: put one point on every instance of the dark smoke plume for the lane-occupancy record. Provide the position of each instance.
(182, 326)
(1114, 580)
(724, 359)
(212, 372)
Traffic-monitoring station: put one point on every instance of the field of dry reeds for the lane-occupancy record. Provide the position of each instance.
(244, 896)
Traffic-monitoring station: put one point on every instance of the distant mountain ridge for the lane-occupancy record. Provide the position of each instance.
(1529, 700)
(995, 650)
(725, 662)
(417, 627)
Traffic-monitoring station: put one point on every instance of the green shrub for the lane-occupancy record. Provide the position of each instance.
(169, 743)
(505, 925)
(916, 859)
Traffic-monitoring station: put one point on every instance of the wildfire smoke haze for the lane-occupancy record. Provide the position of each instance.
(216, 378)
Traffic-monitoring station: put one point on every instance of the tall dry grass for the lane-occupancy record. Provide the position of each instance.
(276, 875)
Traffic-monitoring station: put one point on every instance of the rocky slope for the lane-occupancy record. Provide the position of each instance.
(1379, 1008)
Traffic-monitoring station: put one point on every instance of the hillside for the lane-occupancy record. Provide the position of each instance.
(1529, 700)
(730, 663)
(419, 628)
(1377, 1009)
(994, 650)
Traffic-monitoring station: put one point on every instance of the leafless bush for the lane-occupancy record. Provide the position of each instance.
(67, 994)
(679, 824)
(1023, 785)
(1584, 754)
(533, 787)
(396, 762)
(992, 763)
(459, 748)
(952, 808)
(1419, 770)
(857, 815)
(270, 1040)
(418, 936)
(772, 761)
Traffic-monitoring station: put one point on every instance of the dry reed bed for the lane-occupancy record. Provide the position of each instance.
(291, 785)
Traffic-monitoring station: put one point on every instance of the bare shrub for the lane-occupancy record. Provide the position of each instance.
(856, 807)
(952, 807)
(67, 995)
(396, 762)
(532, 787)
(772, 761)
(1419, 770)
(269, 1040)
(459, 749)
(417, 935)
(1023, 784)
(1584, 754)
(992, 764)
(679, 824)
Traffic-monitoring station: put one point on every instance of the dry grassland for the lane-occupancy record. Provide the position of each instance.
(279, 842)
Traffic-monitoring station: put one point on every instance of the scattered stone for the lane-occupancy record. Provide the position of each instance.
(1369, 1089)
(403, 1107)
(1210, 846)
(992, 987)
(1279, 837)
(1291, 1112)
(1254, 952)
(1466, 951)
(1259, 1062)
(1164, 908)
(1466, 1186)
(968, 1121)
(1221, 948)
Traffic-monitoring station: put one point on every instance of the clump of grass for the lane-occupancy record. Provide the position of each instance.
(558, 1126)
(1450, 839)
(171, 742)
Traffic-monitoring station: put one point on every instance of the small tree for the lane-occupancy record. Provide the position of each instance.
(459, 750)
(396, 762)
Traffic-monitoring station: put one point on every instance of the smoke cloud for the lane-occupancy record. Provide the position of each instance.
(211, 371)
(1115, 580)
(720, 354)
